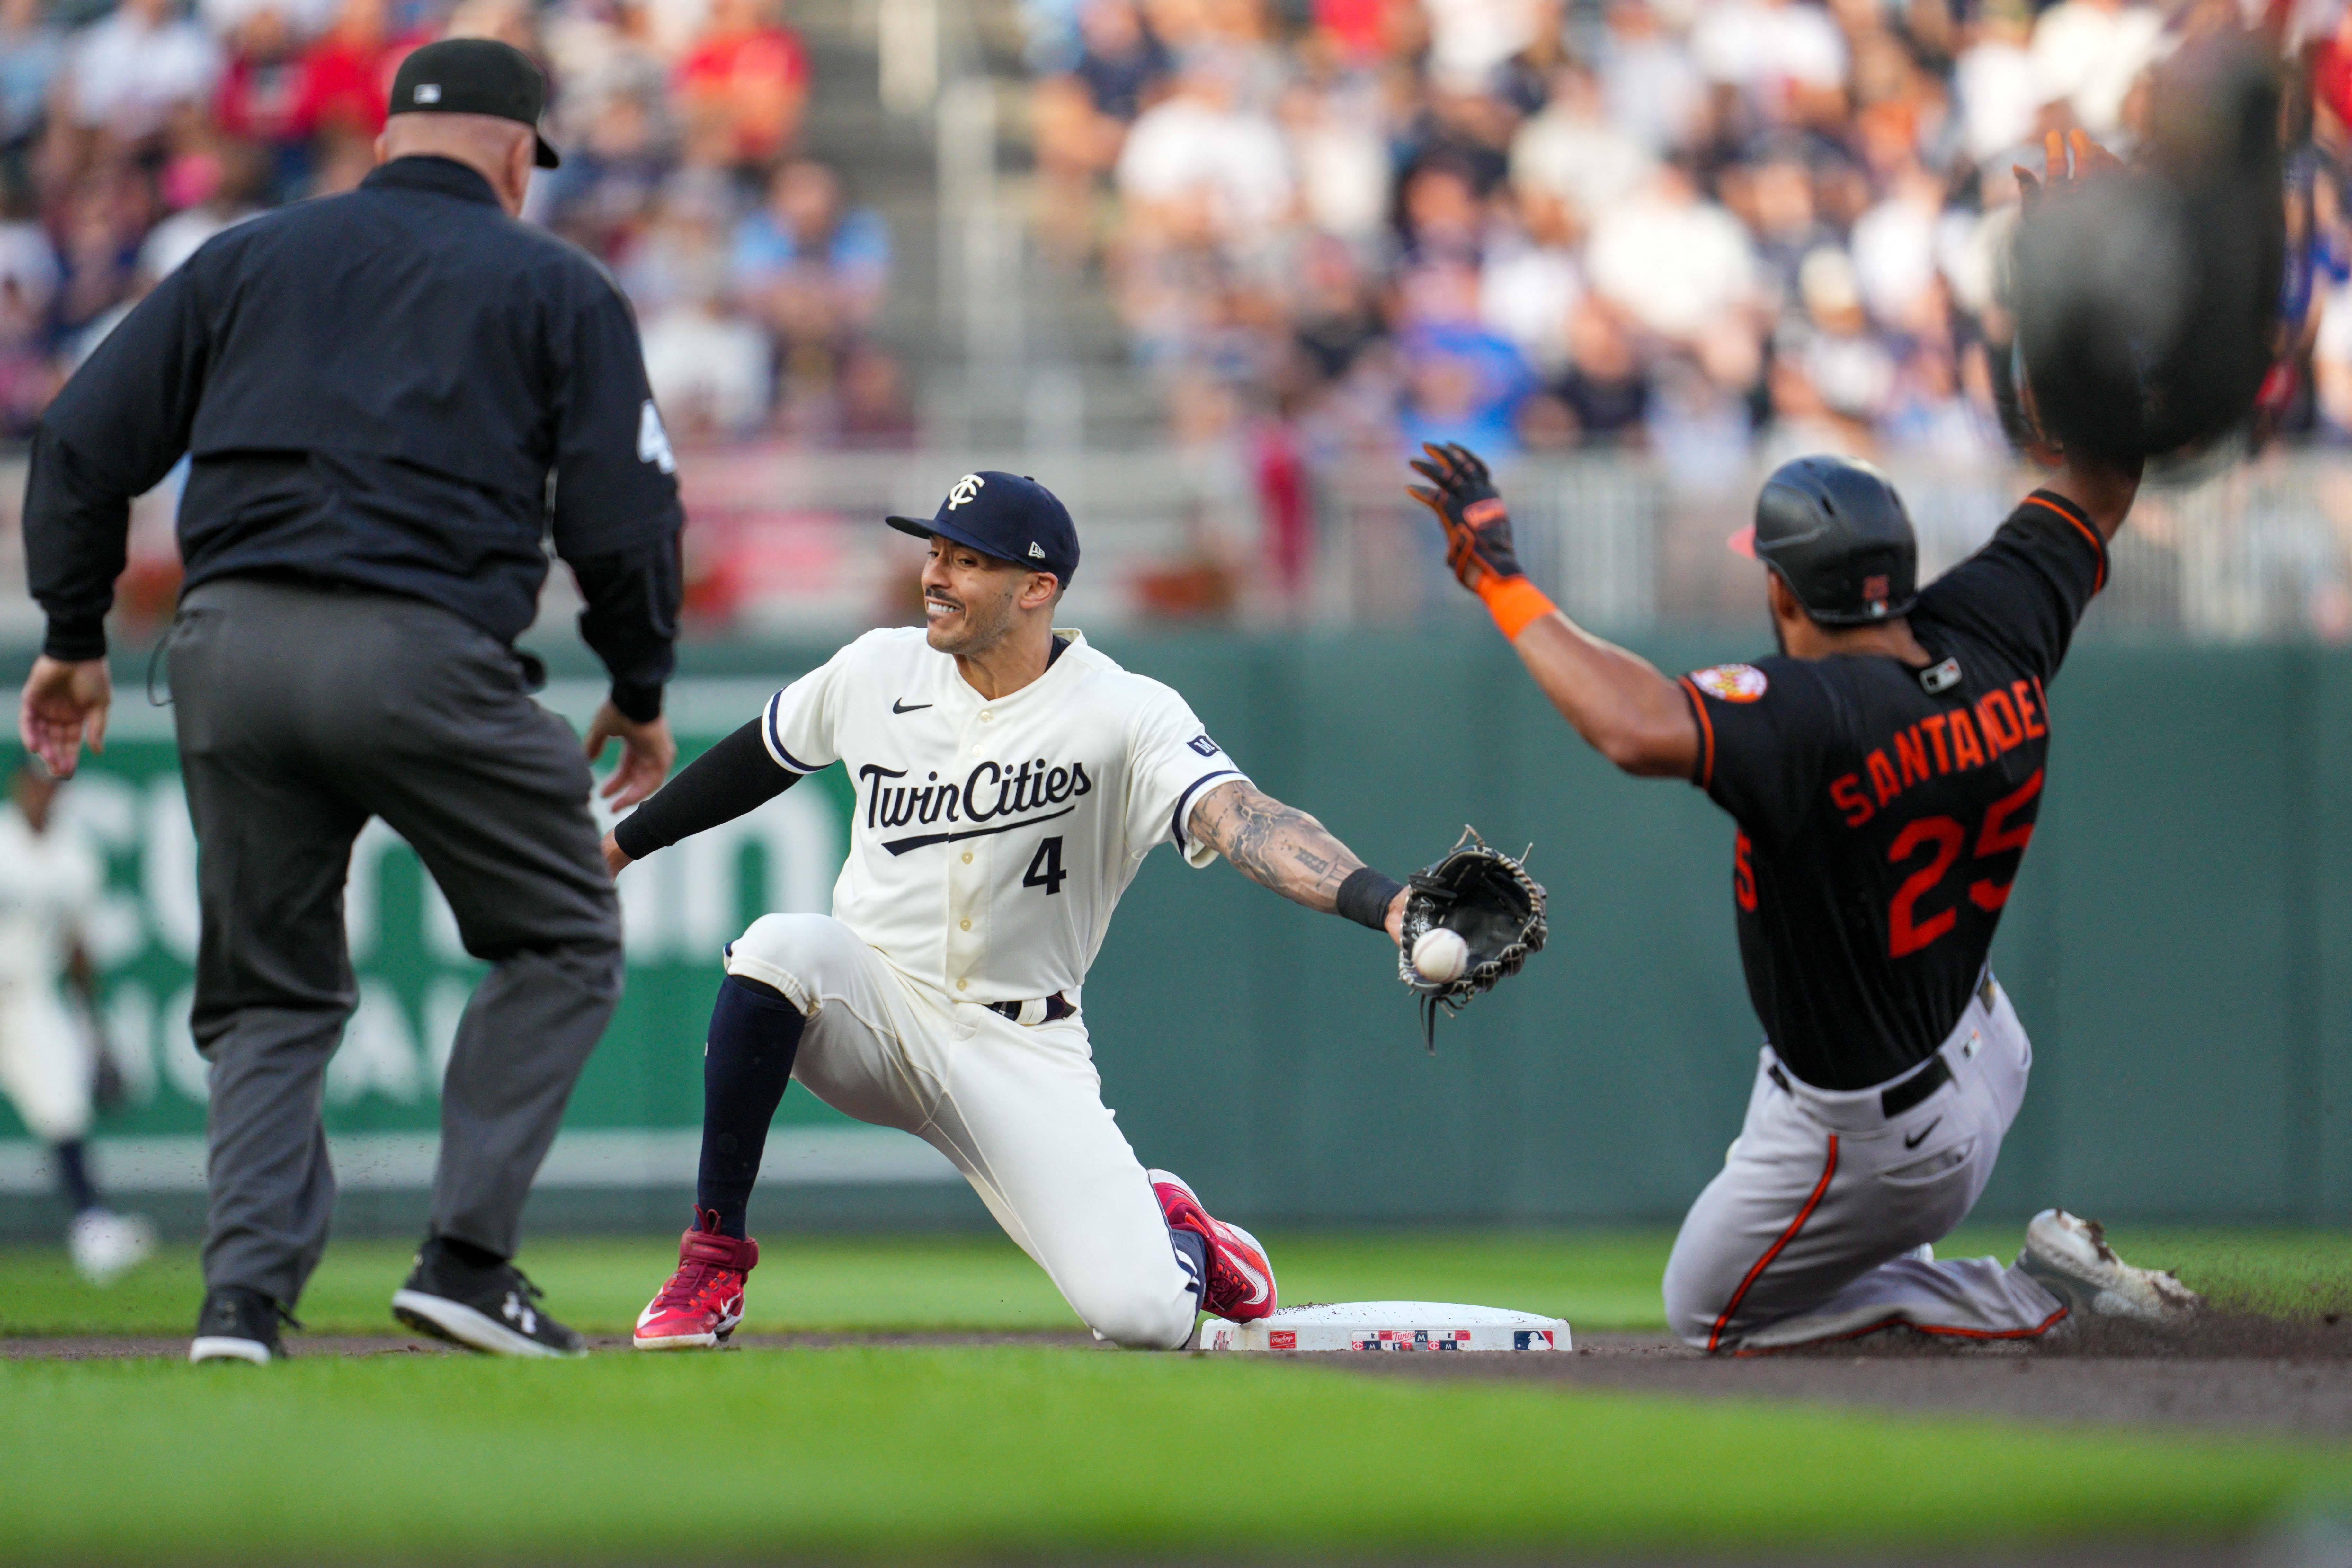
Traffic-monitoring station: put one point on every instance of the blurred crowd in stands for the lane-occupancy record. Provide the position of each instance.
(129, 136)
(1711, 228)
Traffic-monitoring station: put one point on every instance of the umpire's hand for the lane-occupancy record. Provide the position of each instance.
(646, 754)
(65, 702)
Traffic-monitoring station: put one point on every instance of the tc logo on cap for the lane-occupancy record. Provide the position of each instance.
(429, 92)
(967, 488)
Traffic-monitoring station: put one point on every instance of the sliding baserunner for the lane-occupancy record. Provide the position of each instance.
(1885, 772)
(1010, 780)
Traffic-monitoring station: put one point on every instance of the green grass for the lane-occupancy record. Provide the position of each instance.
(1596, 1279)
(872, 1452)
(880, 1283)
(1029, 1451)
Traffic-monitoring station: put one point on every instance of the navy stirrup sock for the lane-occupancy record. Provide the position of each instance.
(73, 1176)
(1192, 1258)
(755, 1034)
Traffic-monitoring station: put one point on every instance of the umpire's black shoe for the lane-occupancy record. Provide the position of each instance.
(237, 1324)
(491, 1307)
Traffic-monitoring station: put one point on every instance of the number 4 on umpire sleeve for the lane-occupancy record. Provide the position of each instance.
(1045, 868)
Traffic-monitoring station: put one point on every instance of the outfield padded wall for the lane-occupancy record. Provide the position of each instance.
(2177, 946)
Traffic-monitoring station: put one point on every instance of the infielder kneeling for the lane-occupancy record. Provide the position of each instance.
(1009, 780)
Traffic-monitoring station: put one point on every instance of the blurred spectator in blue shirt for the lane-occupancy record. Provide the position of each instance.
(1463, 382)
(32, 51)
(810, 265)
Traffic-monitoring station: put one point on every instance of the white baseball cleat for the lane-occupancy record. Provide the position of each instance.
(2069, 1256)
(106, 1245)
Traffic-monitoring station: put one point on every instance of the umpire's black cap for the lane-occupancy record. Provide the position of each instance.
(1009, 516)
(474, 76)
(1836, 533)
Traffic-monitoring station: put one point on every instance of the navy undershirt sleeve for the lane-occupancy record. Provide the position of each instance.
(734, 776)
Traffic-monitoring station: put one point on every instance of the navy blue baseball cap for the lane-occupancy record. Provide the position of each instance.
(1009, 516)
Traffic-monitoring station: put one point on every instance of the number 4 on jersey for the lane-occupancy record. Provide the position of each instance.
(1045, 868)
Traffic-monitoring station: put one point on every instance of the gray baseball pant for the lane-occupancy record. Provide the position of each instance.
(1808, 1231)
(302, 713)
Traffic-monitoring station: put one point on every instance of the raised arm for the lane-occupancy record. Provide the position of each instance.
(1618, 702)
(1282, 847)
(2104, 487)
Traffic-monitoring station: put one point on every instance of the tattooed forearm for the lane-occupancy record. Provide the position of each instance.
(1274, 844)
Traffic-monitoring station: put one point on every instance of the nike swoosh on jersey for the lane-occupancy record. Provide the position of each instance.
(900, 845)
(1922, 1137)
(903, 706)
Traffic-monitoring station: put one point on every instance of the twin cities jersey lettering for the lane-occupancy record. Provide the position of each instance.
(991, 838)
(1884, 810)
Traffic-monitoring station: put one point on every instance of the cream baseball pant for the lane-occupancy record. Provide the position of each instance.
(1805, 1234)
(45, 1061)
(1017, 1108)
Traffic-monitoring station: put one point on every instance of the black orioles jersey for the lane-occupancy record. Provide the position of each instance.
(1884, 810)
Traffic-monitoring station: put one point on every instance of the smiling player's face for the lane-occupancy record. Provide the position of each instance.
(970, 601)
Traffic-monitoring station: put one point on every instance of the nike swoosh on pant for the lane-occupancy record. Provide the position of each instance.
(1922, 1137)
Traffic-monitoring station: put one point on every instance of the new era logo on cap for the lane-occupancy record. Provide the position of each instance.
(426, 92)
(1036, 550)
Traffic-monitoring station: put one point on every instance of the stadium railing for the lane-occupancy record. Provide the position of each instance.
(783, 541)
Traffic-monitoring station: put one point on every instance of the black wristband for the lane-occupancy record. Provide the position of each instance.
(1365, 897)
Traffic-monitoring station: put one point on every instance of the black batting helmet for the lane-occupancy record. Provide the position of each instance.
(1836, 533)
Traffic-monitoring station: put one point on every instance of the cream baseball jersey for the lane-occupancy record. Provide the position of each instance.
(991, 838)
(50, 882)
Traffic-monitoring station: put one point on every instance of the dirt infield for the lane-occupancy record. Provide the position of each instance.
(2227, 1373)
(134, 1347)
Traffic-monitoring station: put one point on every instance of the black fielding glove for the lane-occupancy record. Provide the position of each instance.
(1484, 896)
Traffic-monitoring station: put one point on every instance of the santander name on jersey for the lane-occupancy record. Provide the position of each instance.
(991, 837)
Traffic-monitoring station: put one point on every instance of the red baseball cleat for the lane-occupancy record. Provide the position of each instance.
(1240, 1282)
(704, 1300)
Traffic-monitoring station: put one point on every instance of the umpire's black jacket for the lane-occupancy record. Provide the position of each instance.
(399, 389)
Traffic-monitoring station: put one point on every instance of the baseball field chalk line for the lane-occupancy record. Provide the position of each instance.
(1394, 1326)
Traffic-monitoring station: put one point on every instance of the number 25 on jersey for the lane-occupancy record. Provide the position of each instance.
(1908, 928)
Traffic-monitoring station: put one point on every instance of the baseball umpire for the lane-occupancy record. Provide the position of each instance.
(389, 399)
(1884, 771)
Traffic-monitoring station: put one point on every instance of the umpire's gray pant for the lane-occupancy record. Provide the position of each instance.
(302, 712)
